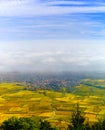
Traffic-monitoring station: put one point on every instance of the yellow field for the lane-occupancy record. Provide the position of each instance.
(15, 101)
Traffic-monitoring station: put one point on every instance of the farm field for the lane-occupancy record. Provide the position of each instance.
(51, 105)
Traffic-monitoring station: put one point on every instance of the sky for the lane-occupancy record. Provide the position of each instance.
(52, 35)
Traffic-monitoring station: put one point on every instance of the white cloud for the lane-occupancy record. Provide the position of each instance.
(25, 57)
(66, 2)
(34, 7)
(49, 60)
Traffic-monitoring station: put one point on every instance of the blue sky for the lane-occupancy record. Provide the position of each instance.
(44, 35)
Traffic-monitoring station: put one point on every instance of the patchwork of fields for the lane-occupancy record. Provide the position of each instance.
(16, 101)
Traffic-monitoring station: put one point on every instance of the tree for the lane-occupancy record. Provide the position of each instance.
(45, 125)
(11, 124)
(22, 123)
(25, 123)
(77, 119)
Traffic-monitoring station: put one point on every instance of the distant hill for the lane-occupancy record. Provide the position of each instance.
(91, 87)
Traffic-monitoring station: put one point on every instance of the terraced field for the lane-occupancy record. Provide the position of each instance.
(15, 101)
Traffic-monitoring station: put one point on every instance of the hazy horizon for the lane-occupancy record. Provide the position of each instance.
(52, 36)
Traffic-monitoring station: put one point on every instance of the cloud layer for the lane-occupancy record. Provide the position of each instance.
(63, 58)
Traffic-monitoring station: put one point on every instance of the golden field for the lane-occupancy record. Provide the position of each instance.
(16, 101)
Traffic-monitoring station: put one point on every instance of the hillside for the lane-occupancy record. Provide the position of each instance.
(51, 105)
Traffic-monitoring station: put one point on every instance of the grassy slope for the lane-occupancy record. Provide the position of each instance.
(15, 101)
